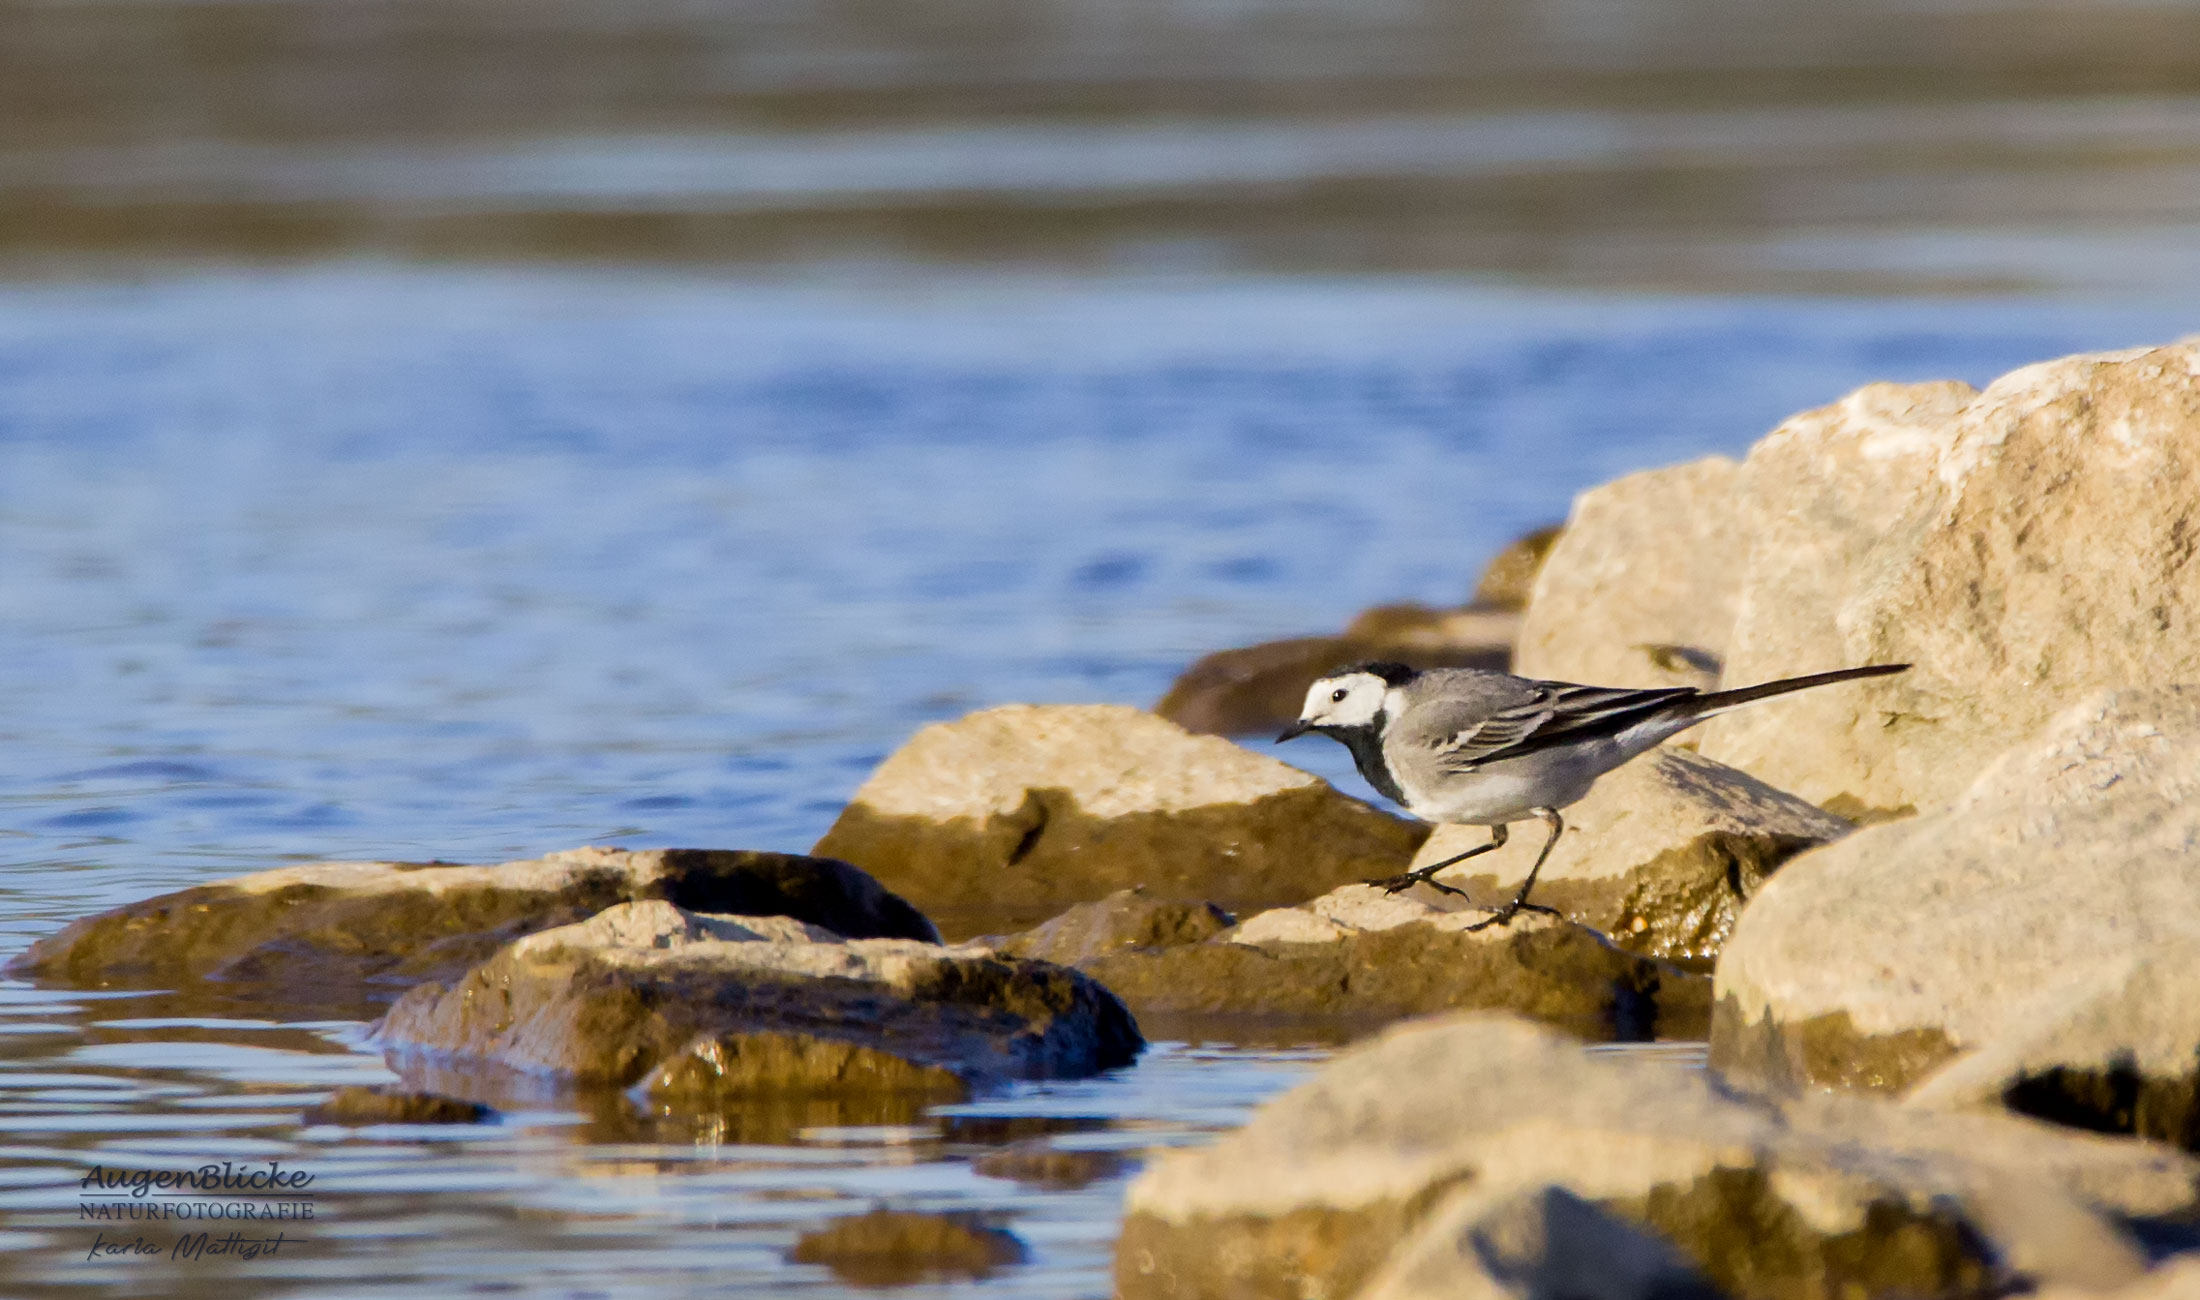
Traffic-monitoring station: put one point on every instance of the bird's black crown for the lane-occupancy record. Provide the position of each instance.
(1393, 674)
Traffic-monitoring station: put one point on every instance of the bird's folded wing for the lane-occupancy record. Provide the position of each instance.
(1557, 713)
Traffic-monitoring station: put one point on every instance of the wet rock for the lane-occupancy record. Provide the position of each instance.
(2035, 937)
(1328, 1187)
(695, 1012)
(1361, 956)
(2022, 546)
(902, 1247)
(1259, 689)
(1540, 1244)
(1004, 818)
(358, 1106)
(1641, 587)
(1044, 1165)
(1124, 919)
(1660, 856)
(395, 923)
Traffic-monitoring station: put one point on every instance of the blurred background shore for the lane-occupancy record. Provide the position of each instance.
(1934, 145)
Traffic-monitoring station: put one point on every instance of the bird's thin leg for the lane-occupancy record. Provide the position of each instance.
(1425, 875)
(1520, 903)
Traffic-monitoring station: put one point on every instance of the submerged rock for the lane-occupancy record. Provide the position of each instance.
(395, 923)
(696, 1012)
(360, 1106)
(1337, 1183)
(2033, 941)
(1003, 818)
(1642, 586)
(2021, 546)
(1362, 956)
(1660, 856)
(1124, 919)
(903, 1247)
(1045, 1165)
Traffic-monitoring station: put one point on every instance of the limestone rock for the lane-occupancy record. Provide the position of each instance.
(1641, 587)
(1661, 855)
(2115, 1049)
(1362, 957)
(2021, 546)
(1003, 818)
(698, 1012)
(901, 1247)
(386, 924)
(1822, 1196)
(1540, 1244)
(2055, 888)
(1124, 919)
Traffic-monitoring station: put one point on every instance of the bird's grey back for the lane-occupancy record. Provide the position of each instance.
(1443, 702)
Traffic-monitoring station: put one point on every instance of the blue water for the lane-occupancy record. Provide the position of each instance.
(372, 562)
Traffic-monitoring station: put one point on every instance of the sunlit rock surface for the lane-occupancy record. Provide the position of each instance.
(1360, 957)
(2022, 546)
(1661, 855)
(1641, 587)
(1003, 818)
(1330, 1186)
(2033, 944)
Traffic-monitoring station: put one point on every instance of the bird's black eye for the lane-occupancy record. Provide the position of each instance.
(1337, 696)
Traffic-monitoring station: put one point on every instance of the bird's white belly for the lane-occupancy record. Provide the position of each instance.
(1506, 791)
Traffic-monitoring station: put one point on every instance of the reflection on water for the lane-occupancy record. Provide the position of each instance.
(475, 565)
(548, 1199)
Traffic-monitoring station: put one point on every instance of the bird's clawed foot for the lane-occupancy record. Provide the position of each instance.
(1504, 915)
(1394, 884)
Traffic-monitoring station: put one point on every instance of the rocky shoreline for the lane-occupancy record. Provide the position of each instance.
(1936, 928)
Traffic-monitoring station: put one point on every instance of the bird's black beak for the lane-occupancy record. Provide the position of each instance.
(1299, 728)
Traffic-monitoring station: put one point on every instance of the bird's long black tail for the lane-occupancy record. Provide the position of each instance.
(1715, 701)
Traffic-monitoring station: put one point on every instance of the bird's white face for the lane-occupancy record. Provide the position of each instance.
(1346, 700)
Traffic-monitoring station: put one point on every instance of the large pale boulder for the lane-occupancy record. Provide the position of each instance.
(1640, 588)
(2020, 546)
(698, 1012)
(1661, 855)
(1360, 958)
(1003, 818)
(2034, 938)
(365, 925)
(1329, 1186)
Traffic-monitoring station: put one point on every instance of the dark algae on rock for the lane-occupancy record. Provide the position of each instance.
(386, 924)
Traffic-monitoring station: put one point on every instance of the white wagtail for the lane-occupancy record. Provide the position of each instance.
(1478, 748)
